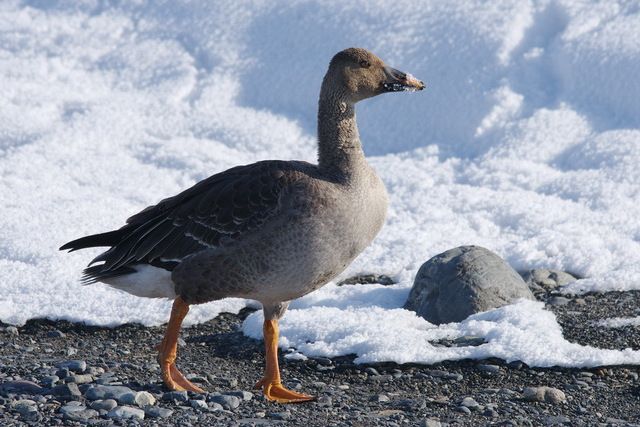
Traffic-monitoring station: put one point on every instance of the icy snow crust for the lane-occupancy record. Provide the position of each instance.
(526, 141)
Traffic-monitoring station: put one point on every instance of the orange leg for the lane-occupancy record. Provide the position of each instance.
(270, 383)
(168, 351)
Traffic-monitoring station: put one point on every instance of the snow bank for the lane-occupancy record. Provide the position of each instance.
(526, 141)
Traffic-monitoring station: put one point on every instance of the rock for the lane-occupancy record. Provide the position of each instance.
(117, 392)
(325, 401)
(445, 375)
(431, 422)
(380, 398)
(544, 394)
(105, 405)
(27, 409)
(470, 402)
(50, 381)
(55, 334)
(81, 416)
(78, 366)
(547, 279)
(126, 412)
(366, 279)
(20, 386)
(176, 396)
(72, 407)
(464, 410)
(12, 330)
(489, 369)
(68, 391)
(158, 412)
(372, 371)
(463, 281)
(241, 394)
(557, 301)
(558, 420)
(198, 404)
(227, 401)
(139, 398)
(79, 379)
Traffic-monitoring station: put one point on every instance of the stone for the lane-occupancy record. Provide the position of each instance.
(56, 334)
(72, 407)
(158, 412)
(176, 396)
(20, 386)
(79, 379)
(78, 366)
(198, 404)
(489, 369)
(464, 410)
(470, 402)
(105, 405)
(81, 416)
(431, 422)
(69, 391)
(117, 392)
(557, 301)
(544, 394)
(126, 412)
(325, 401)
(139, 398)
(12, 330)
(50, 381)
(227, 401)
(547, 279)
(463, 281)
(380, 398)
(241, 394)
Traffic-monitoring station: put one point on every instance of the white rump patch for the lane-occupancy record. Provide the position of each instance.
(148, 281)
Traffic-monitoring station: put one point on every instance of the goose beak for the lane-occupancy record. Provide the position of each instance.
(397, 81)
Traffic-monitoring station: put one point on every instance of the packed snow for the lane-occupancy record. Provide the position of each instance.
(526, 141)
(620, 322)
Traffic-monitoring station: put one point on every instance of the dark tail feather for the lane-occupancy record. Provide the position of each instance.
(95, 273)
(110, 238)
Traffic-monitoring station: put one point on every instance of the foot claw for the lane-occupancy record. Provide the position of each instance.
(275, 392)
(174, 380)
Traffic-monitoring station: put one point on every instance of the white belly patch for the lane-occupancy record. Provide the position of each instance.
(148, 281)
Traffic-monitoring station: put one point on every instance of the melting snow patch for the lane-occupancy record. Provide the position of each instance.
(619, 322)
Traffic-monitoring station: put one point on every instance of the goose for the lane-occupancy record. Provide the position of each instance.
(270, 231)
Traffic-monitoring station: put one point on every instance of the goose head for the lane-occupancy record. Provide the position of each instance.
(355, 74)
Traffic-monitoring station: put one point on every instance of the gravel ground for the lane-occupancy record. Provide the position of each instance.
(62, 373)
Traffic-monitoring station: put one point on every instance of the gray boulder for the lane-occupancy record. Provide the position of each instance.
(463, 281)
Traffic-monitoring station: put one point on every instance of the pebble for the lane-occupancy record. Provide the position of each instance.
(139, 398)
(372, 371)
(281, 416)
(464, 410)
(158, 412)
(489, 369)
(117, 392)
(49, 381)
(445, 375)
(81, 416)
(325, 401)
(56, 334)
(78, 366)
(20, 386)
(176, 396)
(544, 394)
(228, 402)
(555, 420)
(470, 402)
(380, 398)
(198, 404)
(105, 405)
(126, 412)
(69, 391)
(431, 422)
(241, 394)
(79, 379)
(558, 301)
(12, 330)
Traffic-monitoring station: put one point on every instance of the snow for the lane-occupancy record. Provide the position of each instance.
(526, 141)
(620, 322)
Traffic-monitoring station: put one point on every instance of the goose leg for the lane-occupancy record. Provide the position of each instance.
(168, 351)
(270, 383)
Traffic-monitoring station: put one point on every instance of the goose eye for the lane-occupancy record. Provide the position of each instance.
(365, 64)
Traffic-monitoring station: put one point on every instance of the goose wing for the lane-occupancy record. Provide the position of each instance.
(216, 210)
